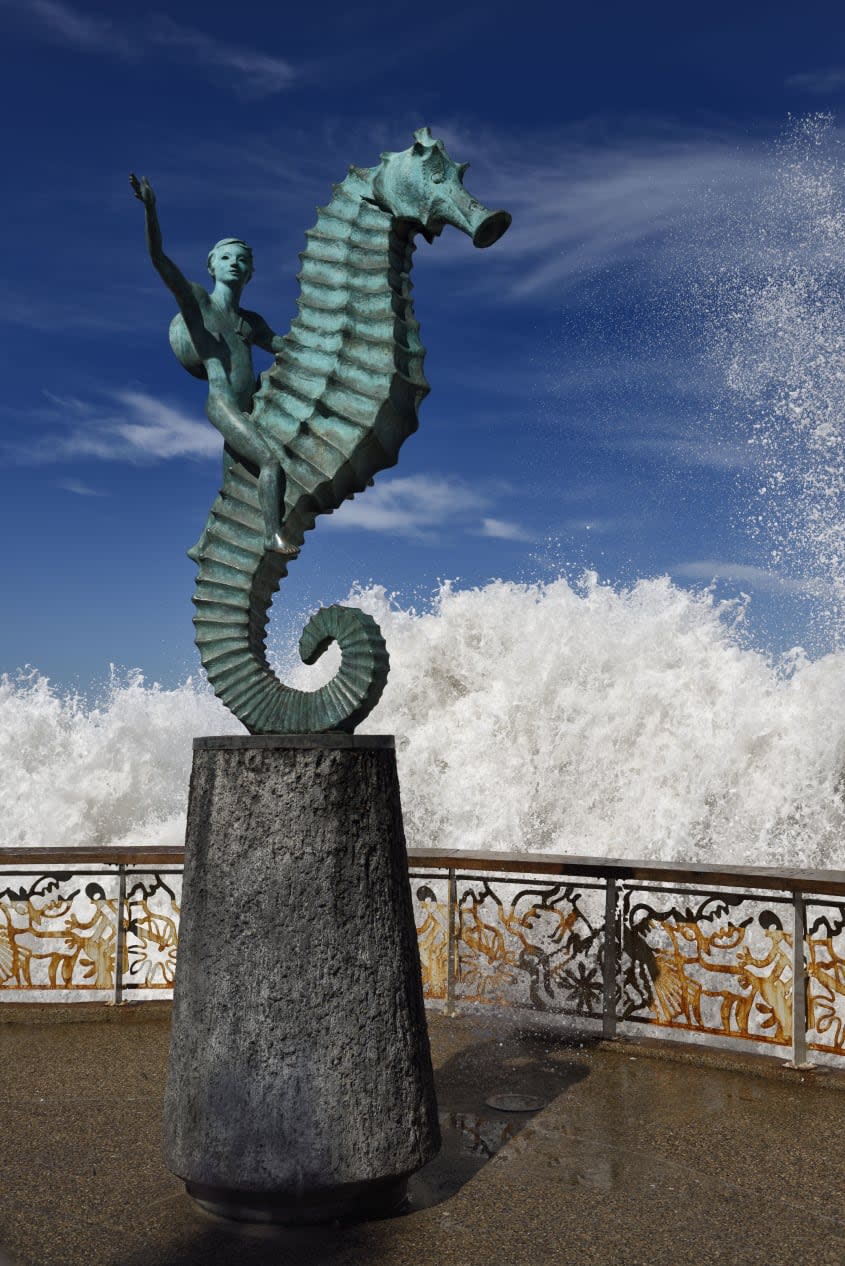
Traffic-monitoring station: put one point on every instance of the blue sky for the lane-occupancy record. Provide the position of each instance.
(578, 416)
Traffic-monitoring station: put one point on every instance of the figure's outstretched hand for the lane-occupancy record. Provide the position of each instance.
(143, 190)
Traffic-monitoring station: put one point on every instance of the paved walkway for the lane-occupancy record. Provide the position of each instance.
(632, 1160)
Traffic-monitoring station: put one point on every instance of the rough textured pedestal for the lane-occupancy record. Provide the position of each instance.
(300, 1083)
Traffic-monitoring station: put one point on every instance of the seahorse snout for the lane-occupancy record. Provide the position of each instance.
(470, 216)
(491, 228)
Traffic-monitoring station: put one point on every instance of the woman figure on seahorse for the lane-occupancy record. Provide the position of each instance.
(212, 338)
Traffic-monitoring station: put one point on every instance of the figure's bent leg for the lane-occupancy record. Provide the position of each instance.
(244, 440)
(229, 459)
(271, 496)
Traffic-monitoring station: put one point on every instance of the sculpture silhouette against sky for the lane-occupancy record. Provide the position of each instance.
(332, 410)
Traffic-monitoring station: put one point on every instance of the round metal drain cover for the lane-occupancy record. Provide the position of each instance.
(514, 1103)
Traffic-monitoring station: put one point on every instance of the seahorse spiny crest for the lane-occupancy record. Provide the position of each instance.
(337, 404)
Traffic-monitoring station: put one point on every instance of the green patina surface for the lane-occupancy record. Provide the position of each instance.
(332, 411)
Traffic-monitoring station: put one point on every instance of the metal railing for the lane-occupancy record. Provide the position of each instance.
(698, 952)
(82, 924)
(703, 953)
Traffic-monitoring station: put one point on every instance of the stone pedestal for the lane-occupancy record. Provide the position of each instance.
(300, 1084)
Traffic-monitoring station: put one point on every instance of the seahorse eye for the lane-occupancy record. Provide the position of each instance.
(436, 167)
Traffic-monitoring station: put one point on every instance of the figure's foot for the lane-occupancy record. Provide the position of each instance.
(279, 545)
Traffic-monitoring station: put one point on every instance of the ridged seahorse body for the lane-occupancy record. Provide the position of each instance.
(336, 406)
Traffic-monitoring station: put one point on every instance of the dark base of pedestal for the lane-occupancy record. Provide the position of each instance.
(359, 1200)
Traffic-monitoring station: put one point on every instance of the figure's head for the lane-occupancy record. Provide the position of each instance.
(424, 185)
(230, 260)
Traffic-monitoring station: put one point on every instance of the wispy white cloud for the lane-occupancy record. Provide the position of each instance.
(246, 71)
(504, 530)
(80, 489)
(712, 452)
(417, 505)
(156, 430)
(819, 83)
(68, 404)
(254, 74)
(37, 309)
(630, 371)
(745, 574)
(425, 506)
(64, 24)
(125, 426)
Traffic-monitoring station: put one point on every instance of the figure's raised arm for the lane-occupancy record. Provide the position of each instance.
(165, 267)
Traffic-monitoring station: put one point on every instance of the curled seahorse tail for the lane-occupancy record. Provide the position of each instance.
(364, 665)
(236, 581)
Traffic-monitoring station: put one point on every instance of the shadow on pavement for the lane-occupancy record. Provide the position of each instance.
(521, 1065)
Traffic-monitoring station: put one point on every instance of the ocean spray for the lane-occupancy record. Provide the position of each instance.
(564, 717)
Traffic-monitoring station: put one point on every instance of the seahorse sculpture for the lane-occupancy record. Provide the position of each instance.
(334, 409)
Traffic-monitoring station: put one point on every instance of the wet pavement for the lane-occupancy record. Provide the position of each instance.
(554, 1152)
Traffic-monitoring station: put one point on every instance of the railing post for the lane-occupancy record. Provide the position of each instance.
(452, 943)
(799, 982)
(120, 937)
(610, 966)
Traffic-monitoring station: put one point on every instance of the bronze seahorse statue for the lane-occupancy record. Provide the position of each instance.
(333, 409)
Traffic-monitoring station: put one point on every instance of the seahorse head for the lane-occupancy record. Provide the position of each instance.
(422, 184)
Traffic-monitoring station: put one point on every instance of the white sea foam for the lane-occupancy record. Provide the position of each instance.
(561, 717)
(115, 771)
(599, 721)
